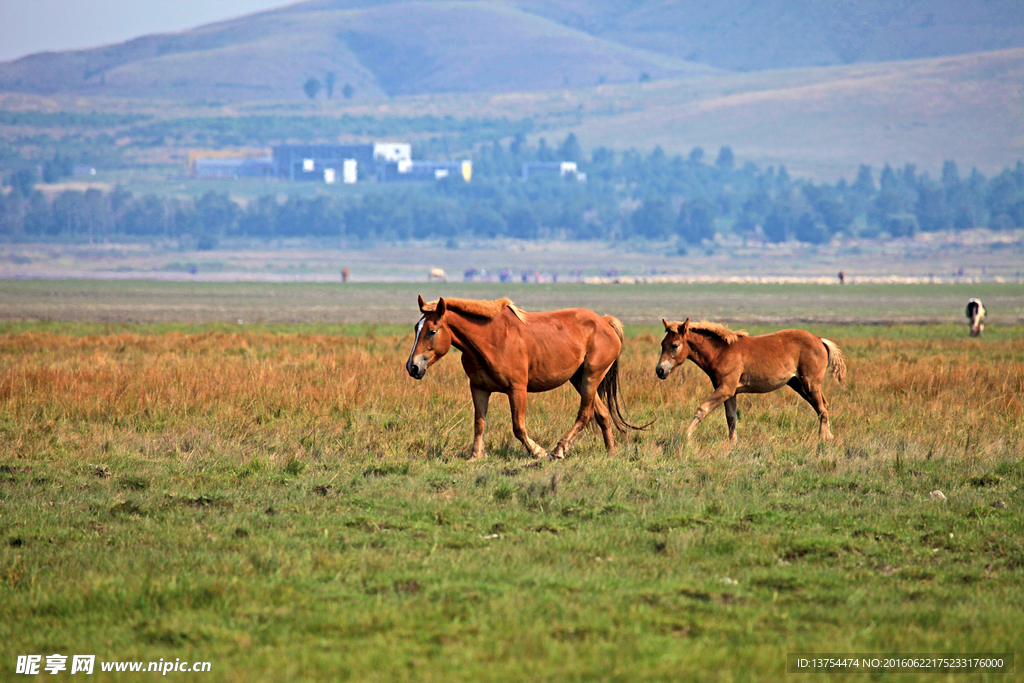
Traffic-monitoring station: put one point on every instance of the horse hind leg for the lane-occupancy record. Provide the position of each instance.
(824, 432)
(587, 388)
(604, 420)
(812, 394)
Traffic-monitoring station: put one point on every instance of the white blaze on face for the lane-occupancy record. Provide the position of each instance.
(419, 328)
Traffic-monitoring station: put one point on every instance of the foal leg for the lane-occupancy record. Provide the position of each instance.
(812, 394)
(588, 394)
(517, 403)
(822, 409)
(481, 398)
(720, 396)
(730, 417)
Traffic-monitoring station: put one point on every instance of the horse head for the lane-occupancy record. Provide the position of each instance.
(433, 339)
(674, 347)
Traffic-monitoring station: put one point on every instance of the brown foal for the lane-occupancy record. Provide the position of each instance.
(741, 364)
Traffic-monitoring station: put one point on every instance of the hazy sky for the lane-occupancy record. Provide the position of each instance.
(28, 26)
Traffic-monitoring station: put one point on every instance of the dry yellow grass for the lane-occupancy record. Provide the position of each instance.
(311, 393)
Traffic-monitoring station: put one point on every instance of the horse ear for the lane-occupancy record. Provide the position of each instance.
(685, 326)
(421, 301)
(668, 328)
(441, 307)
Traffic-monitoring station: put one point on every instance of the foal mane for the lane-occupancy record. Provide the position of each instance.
(718, 330)
(479, 307)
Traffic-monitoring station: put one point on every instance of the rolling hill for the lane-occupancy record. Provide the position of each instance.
(825, 122)
(412, 47)
(386, 49)
(820, 122)
(819, 87)
(773, 34)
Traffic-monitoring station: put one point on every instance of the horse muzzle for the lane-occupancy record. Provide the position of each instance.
(417, 368)
(663, 370)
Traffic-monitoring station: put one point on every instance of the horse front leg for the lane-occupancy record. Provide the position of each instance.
(481, 399)
(730, 417)
(720, 396)
(517, 403)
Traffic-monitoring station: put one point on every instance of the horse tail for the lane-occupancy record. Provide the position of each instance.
(616, 325)
(836, 360)
(608, 390)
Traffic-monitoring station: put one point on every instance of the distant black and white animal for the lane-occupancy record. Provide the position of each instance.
(976, 314)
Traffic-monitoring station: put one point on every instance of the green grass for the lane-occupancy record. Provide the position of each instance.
(634, 568)
(874, 307)
(283, 501)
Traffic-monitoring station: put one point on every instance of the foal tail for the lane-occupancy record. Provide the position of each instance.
(608, 390)
(836, 360)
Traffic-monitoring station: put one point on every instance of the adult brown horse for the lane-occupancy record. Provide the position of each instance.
(741, 364)
(504, 349)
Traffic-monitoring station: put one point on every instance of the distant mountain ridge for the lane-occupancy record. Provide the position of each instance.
(411, 47)
(756, 35)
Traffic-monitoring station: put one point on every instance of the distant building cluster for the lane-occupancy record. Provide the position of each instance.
(559, 168)
(230, 164)
(384, 161)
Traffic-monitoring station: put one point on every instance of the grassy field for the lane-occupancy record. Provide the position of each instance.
(324, 303)
(983, 255)
(283, 501)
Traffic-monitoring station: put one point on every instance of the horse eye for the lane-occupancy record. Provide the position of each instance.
(431, 333)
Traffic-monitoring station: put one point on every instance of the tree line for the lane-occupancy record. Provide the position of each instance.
(683, 200)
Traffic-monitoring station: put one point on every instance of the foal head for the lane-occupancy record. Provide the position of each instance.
(674, 347)
(433, 339)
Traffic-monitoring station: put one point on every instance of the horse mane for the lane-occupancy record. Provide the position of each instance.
(718, 330)
(479, 307)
